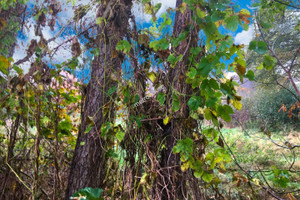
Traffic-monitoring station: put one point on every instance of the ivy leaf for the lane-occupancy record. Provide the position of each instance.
(213, 84)
(172, 59)
(269, 62)
(124, 46)
(200, 13)
(192, 73)
(148, 8)
(176, 103)
(99, 20)
(156, 7)
(88, 129)
(250, 75)
(237, 104)
(207, 177)
(166, 120)
(120, 135)
(207, 114)
(89, 193)
(161, 98)
(258, 46)
(232, 22)
(205, 67)
(111, 90)
(194, 102)
(210, 29)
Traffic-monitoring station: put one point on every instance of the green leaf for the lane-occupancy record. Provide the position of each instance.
(213, 84)
(217, 15)
(198, 173)
(172, 59)
(192, 73)
(269, 62)
(88, 128)
(232, 22)
(258, 46)
(210, 29)
(161, 98)
(64, 127)
(207, 177)
(124, 46)
(250, 75)
(156, 7)
(200, 13)
(89, 193)
(207, 114)
(111, 90)
(176, 103)
(120, 135)
(82, 143)
(205, 67)
(194, 102)
(99, 20)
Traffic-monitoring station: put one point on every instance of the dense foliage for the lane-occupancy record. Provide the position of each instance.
(152, 120)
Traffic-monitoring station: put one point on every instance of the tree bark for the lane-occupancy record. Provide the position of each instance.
(88, 166)
(174, 178)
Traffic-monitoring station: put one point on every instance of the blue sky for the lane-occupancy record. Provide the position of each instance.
(64, 52)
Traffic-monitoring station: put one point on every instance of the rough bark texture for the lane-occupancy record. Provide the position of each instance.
(174, 178)
(13, 14)
(9, 32)
(88, 166)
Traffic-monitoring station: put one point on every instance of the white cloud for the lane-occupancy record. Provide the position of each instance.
(245, 37)
(140, 15)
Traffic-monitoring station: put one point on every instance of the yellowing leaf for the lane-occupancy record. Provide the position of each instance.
(182, 7)
(4, 62)
(245, 12)
(185, 166)
(2, 24)
(166, 120)
(200, 13)
(148, 9)
(152, 76)
(237, 104)
(41, 87)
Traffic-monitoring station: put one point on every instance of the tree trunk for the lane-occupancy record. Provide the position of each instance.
(88, 166)
(174, 178)
(7, 32)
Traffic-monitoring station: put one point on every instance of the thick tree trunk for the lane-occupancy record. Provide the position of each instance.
(88, 166)
(174, 178)
(7, 32)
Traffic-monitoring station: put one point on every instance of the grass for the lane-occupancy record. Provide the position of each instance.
(255, 152)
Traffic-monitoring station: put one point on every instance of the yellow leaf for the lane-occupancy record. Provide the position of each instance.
(152, 76)
(41, 87)
(148, 9)
(166, 120)
(256, 181)
(237, 104)
(185, 166)
(182, 7)
(245, 12)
